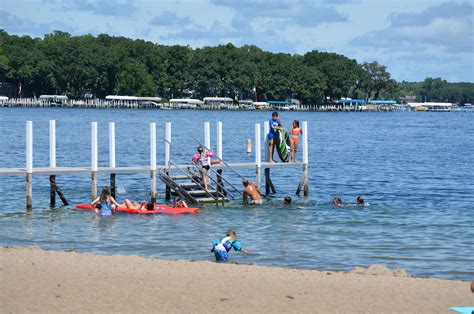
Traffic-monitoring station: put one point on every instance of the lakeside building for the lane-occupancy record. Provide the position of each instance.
(3, 100)
(185, 103)
(218, 103)
(431, 106)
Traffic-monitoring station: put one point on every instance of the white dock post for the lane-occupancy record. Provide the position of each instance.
(153, 162)
(52, 143)
(219, 139)
(305, 156)
(29, 166)
(266, 130)
(207, 138)
(168, 156)
(52, 162)
(112, 157)
(258, 154)
(268, 181)
(94, 158)
(168, 144)
(304, 178)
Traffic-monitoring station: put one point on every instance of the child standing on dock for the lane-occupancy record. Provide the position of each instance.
(105, 204)
(295, 138)
(221, 248)
(275, 124)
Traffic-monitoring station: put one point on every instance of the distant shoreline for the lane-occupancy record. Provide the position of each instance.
(34, 280)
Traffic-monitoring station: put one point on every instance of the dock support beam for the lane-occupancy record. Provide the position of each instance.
(304, 178)
(94, 159)
(29, 166)
(168, 157)
(112, 157)
(153, 163)
(258, 156)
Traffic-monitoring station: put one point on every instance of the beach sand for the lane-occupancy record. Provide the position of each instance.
(34, 280)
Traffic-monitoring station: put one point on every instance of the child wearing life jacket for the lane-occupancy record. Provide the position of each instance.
(105, 204)
(221, 248)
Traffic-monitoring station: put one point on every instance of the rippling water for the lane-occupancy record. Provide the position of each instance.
(414, 169)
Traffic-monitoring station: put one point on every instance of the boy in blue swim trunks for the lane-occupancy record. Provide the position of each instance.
(275, 124)
(221, 248)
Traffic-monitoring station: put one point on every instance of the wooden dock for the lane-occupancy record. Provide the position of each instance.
(167, 172)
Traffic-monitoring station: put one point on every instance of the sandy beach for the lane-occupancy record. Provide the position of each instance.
(34, 280)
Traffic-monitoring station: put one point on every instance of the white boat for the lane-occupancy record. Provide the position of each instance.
(185, 103)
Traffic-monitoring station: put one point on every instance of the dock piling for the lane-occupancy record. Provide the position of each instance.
(94, 159)
(304, 178)
(219, 139)
(29, 166)
(168, 157)
(269, 187)
(53, 187)
(153, 163)
(52, 162)
(258, 157)
(112, 157)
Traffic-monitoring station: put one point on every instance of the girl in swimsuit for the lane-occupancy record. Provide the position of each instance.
(295, 138)
(105, 204)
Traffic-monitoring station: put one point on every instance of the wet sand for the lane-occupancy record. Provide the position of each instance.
(34, 280)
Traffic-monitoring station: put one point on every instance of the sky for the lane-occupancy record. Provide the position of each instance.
(414, 39)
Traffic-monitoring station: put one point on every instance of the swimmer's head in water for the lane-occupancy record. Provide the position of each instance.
(287, 200)
(230, 233)
(200, 149)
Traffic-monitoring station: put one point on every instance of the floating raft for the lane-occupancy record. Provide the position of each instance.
(159, 209)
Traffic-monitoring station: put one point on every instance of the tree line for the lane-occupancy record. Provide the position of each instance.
(103, 65)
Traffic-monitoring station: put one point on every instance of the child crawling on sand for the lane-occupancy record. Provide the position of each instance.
(221, 248)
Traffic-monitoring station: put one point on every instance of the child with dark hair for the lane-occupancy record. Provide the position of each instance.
(105, 204)
(295, 138)
(221, 248)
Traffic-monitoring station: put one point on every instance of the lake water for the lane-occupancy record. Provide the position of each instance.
(414, 169)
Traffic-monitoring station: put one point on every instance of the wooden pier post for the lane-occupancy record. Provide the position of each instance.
(258, 157)
(304, 178)
(112, 157)
(168, 157)
(94, 159)
(153, 163)
(29, 166)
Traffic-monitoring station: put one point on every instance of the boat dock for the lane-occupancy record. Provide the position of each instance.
(179, 179)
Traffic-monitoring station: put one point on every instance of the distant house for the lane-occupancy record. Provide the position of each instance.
(407, 99)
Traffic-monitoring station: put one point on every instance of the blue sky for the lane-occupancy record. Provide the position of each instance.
(413, 38)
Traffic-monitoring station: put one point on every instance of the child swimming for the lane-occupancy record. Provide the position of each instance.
(221, 248)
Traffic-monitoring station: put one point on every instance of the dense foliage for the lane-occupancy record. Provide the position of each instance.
(103, 65)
